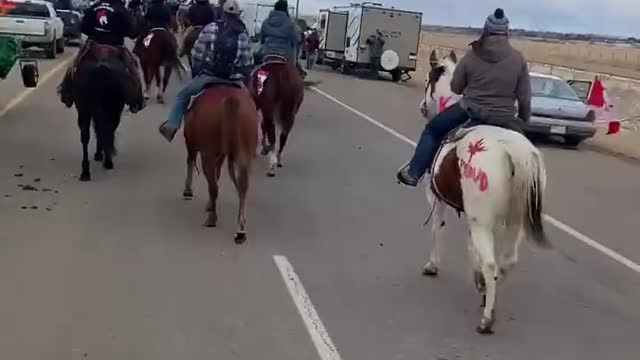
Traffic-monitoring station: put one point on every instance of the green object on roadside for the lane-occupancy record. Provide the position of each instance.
(9, 53)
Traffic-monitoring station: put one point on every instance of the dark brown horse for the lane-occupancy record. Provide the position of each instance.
(278, 91)
(99, 88)
(158, 49)
(222, 124)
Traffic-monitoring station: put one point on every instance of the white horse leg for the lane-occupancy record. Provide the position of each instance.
(483, 241)
(437, 226)
(513, 239)
(273, 162)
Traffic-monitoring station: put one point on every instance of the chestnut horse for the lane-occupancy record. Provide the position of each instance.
(189, 40)
(158, 49)
(278, 91)
(222, 124)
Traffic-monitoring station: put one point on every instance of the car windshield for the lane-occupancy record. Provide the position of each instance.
(26, 10)
(552, 88)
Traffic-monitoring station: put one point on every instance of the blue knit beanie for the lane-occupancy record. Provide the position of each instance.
(497, 23)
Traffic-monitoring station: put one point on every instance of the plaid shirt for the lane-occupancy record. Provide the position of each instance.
(203, 51)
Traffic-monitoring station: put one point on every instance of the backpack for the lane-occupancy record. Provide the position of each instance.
(225, 50)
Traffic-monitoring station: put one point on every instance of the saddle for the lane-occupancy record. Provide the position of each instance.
(213, 82)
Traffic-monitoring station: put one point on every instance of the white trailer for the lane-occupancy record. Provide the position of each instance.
(332, 30)
(401, 30)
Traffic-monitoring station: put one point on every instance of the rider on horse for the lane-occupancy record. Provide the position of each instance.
(279, 35)
(200, 13)
(221, 54)
(108, 22)
(158, 15)
(491, 77)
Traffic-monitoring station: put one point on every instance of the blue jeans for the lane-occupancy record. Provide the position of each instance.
(432, 135)
(196, 85)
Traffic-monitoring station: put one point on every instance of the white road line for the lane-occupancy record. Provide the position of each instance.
(555, 222)
(25, 93)
(307, 311)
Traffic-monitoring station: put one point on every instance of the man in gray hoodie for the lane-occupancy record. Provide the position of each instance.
(492, 76)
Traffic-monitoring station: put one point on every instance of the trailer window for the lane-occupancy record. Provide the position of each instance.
(323, 21)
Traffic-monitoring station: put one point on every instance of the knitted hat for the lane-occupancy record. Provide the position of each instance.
(281, 5)
(497, 23)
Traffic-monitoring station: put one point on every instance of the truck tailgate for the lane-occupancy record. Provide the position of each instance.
(22, 26)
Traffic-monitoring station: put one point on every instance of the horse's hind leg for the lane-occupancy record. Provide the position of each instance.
(159, 81)
(269, 127)
(482, 240)
(84, 122)
(191, 162)
(99, 155)
(148, 76)
(240, 177)
(211, 168)
(437, 226)
(168, 70)
(284, 135)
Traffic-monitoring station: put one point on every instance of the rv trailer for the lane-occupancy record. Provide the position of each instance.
(332, 30)
(401, 31)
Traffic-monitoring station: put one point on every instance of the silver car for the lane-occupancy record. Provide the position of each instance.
(556, 109)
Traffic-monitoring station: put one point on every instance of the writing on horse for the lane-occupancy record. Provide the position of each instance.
(222, 124)
(158, 54)
(497, 178)
(278, 91)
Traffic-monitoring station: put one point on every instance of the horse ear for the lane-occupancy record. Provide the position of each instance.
(433, 58)
(453, 57)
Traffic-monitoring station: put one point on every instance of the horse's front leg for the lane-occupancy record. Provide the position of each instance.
(483, 242)
(84, 122)
(437, 226)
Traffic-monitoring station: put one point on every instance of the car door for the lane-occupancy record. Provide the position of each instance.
(581, 87)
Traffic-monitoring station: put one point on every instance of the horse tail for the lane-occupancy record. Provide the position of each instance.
(529, 178)
(230, 109)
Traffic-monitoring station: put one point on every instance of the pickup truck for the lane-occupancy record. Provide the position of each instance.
(36, 23)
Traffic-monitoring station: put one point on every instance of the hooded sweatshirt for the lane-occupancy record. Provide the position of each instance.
(278, 35)
(492, 77)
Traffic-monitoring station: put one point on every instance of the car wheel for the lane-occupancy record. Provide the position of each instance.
(346, 68)
(52, 49)
(573, 141)
(60, 45)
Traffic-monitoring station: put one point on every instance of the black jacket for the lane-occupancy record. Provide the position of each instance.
(108, 22)
(158, 15)
(200, 14)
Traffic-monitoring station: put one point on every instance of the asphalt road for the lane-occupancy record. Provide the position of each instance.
(122, 268)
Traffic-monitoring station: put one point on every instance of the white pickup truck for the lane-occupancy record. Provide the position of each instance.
(36, 23)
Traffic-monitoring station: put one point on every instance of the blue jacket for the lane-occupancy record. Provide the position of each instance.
(278, 35)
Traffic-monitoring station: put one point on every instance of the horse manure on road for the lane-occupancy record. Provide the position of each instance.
(28, 188)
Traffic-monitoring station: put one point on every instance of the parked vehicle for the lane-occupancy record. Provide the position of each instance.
(556, 109)
(37, 23)
(332, 30)
(401, 30)
(68, 12)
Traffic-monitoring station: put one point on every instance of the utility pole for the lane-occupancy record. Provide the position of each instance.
(297, 7)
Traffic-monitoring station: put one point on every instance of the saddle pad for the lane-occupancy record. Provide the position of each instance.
(211, 83)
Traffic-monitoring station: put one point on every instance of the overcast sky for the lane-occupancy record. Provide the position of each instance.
(611, 17)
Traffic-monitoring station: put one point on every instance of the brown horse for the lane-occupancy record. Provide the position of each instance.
(278, 91)
(158, 49)
(222, 124)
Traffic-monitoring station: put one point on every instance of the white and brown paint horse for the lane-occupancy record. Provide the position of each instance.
(497, 178)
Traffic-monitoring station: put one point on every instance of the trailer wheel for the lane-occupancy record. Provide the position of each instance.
(29, 72)
(346, 68)
(396, 75)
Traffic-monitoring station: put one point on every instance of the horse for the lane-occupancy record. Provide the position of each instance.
(222, 123)
(278, 91)
(183, 19)
(158, 48)
(497, 178)
(99, 97)
(189, 41)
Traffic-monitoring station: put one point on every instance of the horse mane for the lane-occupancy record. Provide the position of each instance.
(434, 77)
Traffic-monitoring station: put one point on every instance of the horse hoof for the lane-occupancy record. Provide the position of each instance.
(430, 270)
(108, 165)
(264, 152)
(279, 165)
(187, 194)
(211, 222)
(98, 157)
(485, 327)
(271, 174)
(240, 238)
(85, 177)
